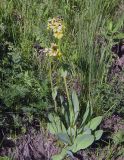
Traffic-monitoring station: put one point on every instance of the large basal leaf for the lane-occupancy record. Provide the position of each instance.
(51, 128)
(86, 131)
(82, 142)
(75, 105)
(64, 138)
(98, 134)
(61, 155)
(55, 124)
(94, 123)
(63, 128)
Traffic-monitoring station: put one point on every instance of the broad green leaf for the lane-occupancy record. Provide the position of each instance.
(59, 126)
(75, 105)
(63, 129)
(61, 155)
(82, 142)
(55, 123)
(52, 125)
(98, 134)
(51, 128)
(94, 123)
(64, 138)
(87, 131)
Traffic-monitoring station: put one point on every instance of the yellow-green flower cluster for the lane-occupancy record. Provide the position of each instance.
(57, 26)
(53, 51)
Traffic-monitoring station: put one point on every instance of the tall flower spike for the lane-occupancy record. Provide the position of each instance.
(57, 26)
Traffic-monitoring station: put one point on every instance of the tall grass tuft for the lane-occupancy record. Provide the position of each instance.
(94, 44)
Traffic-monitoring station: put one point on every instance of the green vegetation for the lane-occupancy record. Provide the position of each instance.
(55, 58)
(75, 136)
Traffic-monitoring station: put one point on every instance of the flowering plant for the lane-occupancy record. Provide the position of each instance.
(57, 26)
(53, 51)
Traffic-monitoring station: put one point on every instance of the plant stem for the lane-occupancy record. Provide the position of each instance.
(50, 74)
